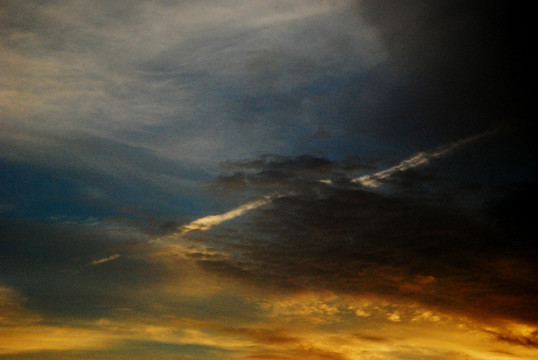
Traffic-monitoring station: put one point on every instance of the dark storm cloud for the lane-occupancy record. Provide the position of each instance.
(359, 242)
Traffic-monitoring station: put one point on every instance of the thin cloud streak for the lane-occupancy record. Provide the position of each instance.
(422, 158)
(104, 260)
(208, 222)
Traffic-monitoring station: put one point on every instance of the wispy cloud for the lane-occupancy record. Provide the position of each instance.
(420, 159)
(185, 52)
(208, 222)
(106, 259)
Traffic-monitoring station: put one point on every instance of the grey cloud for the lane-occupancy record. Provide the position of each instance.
(49, 265)
(96, 174)
(275, 162)
(69, 271)
(205, 83)
(168, 78)
(293, 173)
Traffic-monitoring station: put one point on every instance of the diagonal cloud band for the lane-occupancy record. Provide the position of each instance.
(371, 180)
(210, 221)
(422, 158)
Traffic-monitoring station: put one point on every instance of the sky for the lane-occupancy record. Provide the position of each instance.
(276, 180)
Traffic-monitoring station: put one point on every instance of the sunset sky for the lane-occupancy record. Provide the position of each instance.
(267, 180)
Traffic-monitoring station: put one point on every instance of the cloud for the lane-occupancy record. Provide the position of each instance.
(47, 264)
(528, 341)
(23, 330)
(109, 179)
(269, 173)
(423, 158)
(274, 337)
(302, 163)
(279, 284)
(399, 245)
(356, 242)
(153, 76)
(207, 222)
(517, 334)
(152, 98)
(104, 260)
(302, 353)
(115, 119)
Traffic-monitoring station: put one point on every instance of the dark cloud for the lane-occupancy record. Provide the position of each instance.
(302, 164)
(76, 271)
(304, 353)
(131, 349)
(373, 338)
(527, 341)
(530, 339)
(275, 162)
(266, 336)
(358, 242)
(291, 173)
(55, 267)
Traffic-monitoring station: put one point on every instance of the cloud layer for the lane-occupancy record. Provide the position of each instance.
(240, 179)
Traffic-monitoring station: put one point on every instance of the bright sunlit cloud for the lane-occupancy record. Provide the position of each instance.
(208, 222)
